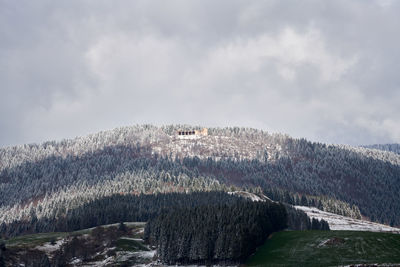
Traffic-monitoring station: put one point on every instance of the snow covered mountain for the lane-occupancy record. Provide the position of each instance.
(45, 181)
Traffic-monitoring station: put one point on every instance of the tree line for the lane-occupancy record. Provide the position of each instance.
(120, 208)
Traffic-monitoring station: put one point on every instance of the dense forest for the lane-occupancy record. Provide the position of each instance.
(50, 181)
(215, 233)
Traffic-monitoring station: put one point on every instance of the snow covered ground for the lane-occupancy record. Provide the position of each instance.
(49, 248)
(145, 254)
(251, 196)
(216, 147)
(339, 222)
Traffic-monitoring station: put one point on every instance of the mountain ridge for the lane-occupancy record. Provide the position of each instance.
(395, 148)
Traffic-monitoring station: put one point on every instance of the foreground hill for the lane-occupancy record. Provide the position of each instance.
(112, 247)
(107, 245)
(328, 248)
(198, 228)
(45, 181)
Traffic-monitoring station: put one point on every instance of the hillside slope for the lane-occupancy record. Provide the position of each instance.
(328, 248)
(339, 222)
(43, 181)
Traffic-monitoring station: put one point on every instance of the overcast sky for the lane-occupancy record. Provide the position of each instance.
(328, 71)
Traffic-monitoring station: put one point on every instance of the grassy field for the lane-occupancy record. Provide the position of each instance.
(128, 244)
(327, 248)
(39, 239)
(34, 239)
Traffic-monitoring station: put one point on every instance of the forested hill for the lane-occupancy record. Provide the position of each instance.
(44, 181)
(395, 148)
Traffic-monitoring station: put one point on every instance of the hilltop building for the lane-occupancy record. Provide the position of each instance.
(202, 132)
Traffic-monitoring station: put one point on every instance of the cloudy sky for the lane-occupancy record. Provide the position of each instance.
(324, 70)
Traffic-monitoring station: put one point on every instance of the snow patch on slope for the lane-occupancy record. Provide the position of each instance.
(50, 248)
(339, 222)
(251, 196)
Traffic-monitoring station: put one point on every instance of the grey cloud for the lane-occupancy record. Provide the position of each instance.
(322, 70)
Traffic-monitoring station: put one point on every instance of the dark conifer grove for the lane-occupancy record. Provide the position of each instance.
(215, 233)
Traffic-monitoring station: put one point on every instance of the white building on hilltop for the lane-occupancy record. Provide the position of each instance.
(202, 132)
